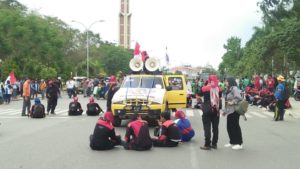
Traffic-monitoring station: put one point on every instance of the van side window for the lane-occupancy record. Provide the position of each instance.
(176, 83)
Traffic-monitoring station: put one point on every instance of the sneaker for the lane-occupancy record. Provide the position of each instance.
(228, 145)
(237, 147)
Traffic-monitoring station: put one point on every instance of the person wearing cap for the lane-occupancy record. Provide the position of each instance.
(26, 97)
(184, 125)
(113, 87)
(93, 109)
(137, 135)
(52, 94)
(168, 133)
(38, 109)
(212, 104)
(75, 107)
(104, 136)
(279, 111)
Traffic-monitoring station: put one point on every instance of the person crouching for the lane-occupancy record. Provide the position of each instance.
(168, 133)
(38, 109)
(137, 135)
(75, 107)
(93, 109)
(104, 136)
(184, 125)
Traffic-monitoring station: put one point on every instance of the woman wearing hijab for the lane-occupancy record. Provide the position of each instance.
(75, 107)
(211, 112)
(93, 109)
(184, 125)
(233, 96)
(104, 136)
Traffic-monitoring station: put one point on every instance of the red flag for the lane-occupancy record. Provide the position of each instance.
(12, 78)
(144, 56)
(137, 49)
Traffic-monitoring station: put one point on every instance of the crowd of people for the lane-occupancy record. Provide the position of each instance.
(271, 93)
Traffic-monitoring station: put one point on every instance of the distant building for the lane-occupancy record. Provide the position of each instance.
(124, 24)
(191, 72)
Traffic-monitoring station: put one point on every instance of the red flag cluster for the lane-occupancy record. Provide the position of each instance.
(137, 52)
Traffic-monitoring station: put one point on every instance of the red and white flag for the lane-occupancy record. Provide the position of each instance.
(12, 78)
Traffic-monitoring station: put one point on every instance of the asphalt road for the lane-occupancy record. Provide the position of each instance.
(61, 142)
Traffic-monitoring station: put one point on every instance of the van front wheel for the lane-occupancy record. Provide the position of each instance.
(117, 121)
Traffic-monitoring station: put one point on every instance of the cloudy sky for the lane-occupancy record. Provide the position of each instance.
(193, 30)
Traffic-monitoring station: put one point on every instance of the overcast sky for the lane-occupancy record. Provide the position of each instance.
(193, 30)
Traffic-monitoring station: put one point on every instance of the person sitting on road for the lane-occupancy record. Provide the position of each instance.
(168, 133)
(93, 109)
(104, 136)
(137, 135)
(184, 125)
(38, 109)
(75, 107)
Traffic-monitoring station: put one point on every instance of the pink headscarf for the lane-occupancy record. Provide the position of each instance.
(179, 114)
(75, 99)
(91, 100)
(214, 91)
(108, 116)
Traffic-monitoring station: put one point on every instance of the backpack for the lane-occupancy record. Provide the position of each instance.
(38, 111)
(286, 93)
(73, 107)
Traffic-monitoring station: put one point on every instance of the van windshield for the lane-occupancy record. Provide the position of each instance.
(143, 82)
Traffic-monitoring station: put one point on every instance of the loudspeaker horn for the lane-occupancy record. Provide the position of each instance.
(152, 64)
(136, 64)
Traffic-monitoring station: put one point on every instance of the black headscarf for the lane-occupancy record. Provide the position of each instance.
(231, 82)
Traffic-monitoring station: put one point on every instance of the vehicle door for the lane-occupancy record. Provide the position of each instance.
(176, 91)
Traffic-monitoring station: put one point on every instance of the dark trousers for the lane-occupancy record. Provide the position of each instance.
(51, 105)
(26, 105)
(108, 146)
(132, 146)
(234, 129)
(209, 120)
(279, 111)
(7, 98)
(167, 143)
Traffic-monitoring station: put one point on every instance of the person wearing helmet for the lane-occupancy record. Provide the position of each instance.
(38, 109)
(93, 109)
(52, 94)
(75, 107)
(104, 136)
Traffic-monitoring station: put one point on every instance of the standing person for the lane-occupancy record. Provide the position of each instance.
(111, 91)
(137, 135)
(7, 92)
(93, 109)
(233, 96)
(211, 112)
(52, 94)
(184, 125)
(270, 83)
(279, 96)
(26, 97)
(70, 88)
(43, 87)
(168, 133)
(75, 108)
(104, 136)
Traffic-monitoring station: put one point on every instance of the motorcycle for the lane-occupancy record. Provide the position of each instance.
(296, 94)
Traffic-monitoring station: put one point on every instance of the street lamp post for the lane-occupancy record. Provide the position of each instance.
(87, 29)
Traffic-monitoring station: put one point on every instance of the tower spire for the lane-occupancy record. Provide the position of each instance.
(124, 24)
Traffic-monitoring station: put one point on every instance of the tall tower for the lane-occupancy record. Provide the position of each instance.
(124, 24)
